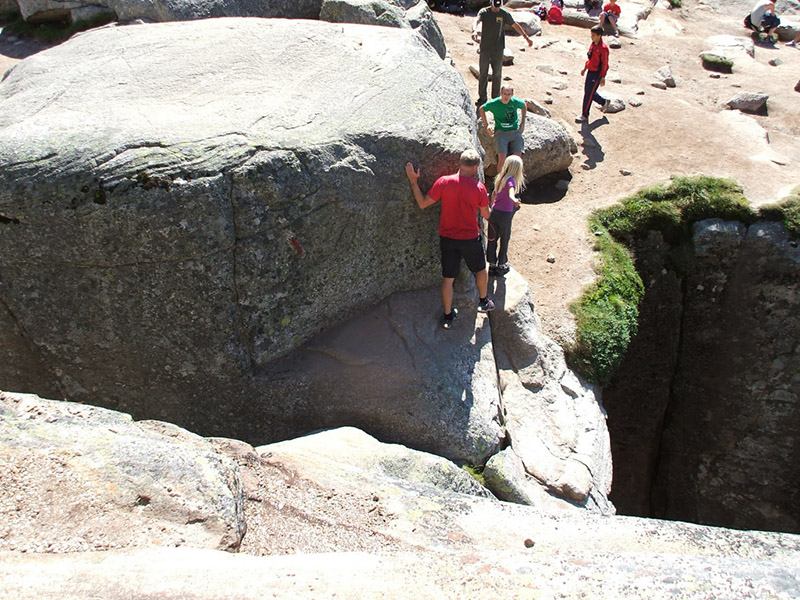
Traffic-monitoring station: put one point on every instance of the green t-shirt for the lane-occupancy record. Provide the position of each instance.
(506, 117)
(493, 28)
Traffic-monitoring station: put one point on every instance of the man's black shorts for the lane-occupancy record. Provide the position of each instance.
(454, 250)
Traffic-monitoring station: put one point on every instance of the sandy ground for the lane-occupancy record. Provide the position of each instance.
(684, 130)
(681, 131)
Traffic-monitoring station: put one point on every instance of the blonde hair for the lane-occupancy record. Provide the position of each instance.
(511, 168)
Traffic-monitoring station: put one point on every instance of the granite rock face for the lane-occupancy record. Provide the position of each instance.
(79, 478)
(705, 411)
(414, 14)
(339, 513)
(167, 10)
(173, 225)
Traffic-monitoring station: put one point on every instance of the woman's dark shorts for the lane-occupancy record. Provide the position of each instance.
(454, 250)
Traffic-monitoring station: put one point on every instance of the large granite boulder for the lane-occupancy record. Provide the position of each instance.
(547, 147)
(80, 478)
(167, 10)
(176, 218)
(414, 14)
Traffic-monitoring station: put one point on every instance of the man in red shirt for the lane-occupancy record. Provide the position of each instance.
(462, 196)
(595, 69)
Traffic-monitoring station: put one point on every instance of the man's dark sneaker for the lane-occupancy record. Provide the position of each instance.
(485, 305)
(447, 320)
(492, 270)
(501, 270)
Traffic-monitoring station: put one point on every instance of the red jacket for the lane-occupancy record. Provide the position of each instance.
(598, 58)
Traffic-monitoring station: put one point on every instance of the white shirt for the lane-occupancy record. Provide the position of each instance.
(759, 9)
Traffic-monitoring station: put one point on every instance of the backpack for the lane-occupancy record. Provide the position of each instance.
(554, 16)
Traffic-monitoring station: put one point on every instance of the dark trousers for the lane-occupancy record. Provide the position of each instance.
(590, 92)
(499, 232)
(493, 57)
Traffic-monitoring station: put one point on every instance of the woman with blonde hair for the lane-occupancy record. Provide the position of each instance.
(510, 181)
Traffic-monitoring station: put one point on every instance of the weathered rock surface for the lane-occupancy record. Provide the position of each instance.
(8, 7)
(356, 526)
(413, 14)
(665, 74)
(168, 10)
(78, 478)
(395, 373)
(530, 23)
(179, 235)
(751, 102)
(704, 414)
(547, 147)
(321, 457)
(555, 421)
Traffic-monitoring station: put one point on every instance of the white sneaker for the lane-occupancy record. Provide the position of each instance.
(580, 119)
(792, 44)
(606, 105)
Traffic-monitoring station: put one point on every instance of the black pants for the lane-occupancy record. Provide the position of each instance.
(590, 92)
(499, 233)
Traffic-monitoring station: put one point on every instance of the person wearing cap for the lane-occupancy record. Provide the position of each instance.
(490, 27)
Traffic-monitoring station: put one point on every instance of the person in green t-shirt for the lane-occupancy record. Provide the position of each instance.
(509, 123)
(491, 22)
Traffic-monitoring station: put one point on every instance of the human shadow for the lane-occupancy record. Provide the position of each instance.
(13, 46)
(591, 148)
(548, 189)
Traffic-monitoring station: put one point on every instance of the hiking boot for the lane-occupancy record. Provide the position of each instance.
(447, 320)
(502, 270)
(580, 119)
(485, 305)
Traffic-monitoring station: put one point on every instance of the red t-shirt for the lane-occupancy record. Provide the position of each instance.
(614, 9)
(461, 198)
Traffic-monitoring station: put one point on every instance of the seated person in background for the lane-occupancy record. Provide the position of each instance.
(610, 14)
(763, 18)
(592, 5)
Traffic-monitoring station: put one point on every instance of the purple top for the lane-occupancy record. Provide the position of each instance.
(503, 201)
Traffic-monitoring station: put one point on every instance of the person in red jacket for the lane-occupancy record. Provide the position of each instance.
(595, 69)
(610, 14)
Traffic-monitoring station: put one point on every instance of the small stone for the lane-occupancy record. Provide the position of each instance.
(736, 85)
(537, 227)
(625, 172)
(640, 93)
(529, 543)
(546, 69)
(551, 258)
(714, 75)
(560, 85)
(775, 62)
(548, 100)
(635, 102)
(659, 84)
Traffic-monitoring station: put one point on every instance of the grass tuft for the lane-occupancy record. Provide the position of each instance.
(786, 211)
(476, 472)
(608, 311)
